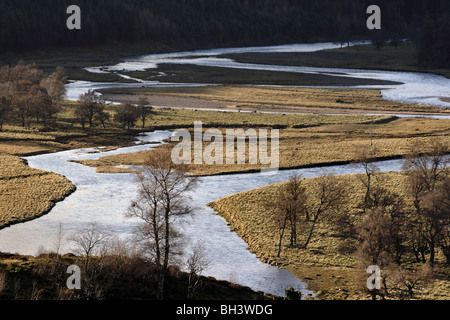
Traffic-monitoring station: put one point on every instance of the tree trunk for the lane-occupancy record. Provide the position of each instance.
(281, 237)
(311, 231)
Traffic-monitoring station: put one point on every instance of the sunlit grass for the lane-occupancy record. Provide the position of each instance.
(328, 264)
(27, 193)
(305, 140)
(288, 98)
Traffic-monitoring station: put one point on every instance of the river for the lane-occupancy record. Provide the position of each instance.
(104, 198)
(413, 87)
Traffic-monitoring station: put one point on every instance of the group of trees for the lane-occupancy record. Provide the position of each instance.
(300, 210)
(396, 227)
(90, 109)
(197, 24)
(391, 228)
(27, 94)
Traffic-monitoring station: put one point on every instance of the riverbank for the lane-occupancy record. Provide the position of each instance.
(328, 264)
(26, 193)
(403, 57)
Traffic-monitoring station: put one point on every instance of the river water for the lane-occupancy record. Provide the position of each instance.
(413, 87)
(104, 198)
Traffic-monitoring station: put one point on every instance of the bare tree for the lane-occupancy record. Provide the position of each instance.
(89, 105)
(288, 206)
(162, 200)
(127, 114)
(31, 93)
(365, 157)
(144, 110)
(327, 201)
(197, 262)
(89, 243)
(375, 241)
(427, 173)
(406, 281)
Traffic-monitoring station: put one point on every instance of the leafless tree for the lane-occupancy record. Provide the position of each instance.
(54, 86)
(90, 249)
(288, 207)
(144, 110)
(374, 232)
(197, 262)
(427, 175)
(162, 200)
(5, 110)
(327, 201)
(365, 157)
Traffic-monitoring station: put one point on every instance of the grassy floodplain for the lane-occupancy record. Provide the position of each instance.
(281, 99)
(340, 137)
(328, 264)
(27, 193)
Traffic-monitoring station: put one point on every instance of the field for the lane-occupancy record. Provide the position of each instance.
(328, 264)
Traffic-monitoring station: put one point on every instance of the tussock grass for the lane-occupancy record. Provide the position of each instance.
(27, 193)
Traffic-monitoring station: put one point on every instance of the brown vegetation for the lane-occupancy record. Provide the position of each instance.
(377, 227)
(27, 193)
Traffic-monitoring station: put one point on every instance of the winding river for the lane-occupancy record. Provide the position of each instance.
(104, 198)
(413, 87)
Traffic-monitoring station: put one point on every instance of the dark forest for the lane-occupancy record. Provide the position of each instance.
(28, 25)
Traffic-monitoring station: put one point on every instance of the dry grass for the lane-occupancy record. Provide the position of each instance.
(289, 99)
(305, 140)
(27, 193)
(328, 264)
